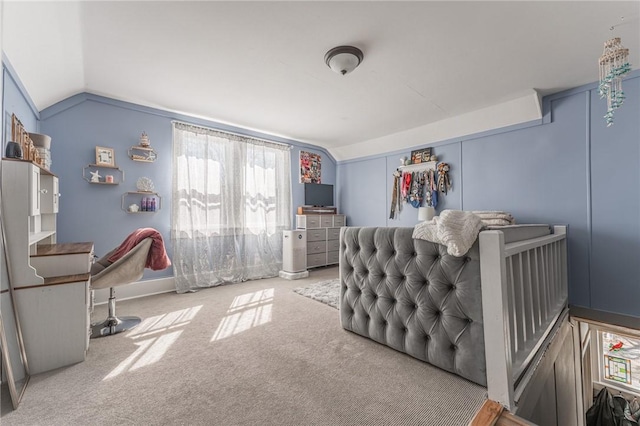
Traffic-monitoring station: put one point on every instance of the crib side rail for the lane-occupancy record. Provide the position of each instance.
(524, 291)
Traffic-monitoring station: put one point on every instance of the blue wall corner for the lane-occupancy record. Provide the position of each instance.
(568, 168)
(94, 212)
(16, 101)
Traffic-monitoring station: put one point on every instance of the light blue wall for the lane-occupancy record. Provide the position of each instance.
(615, 204)
(80, 123)
(568, 169)
(361, 193)
(16, 101)
(360, 184)
(93, 212)
(538, 174)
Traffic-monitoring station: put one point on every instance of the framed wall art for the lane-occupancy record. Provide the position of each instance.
(310, 167)
(105, 157)
(420, 156)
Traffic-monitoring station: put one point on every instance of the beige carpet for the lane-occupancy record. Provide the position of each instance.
(254, 353)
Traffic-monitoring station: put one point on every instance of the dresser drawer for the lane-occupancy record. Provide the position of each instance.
(333, 245)
(339, 220)
(307, 221)
(318, 259)
(326, 221)
(333, 257)
(316, 247)
(316, 235)
(333, 234)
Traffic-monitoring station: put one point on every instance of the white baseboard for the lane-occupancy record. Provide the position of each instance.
(137, 289)
(293, 275)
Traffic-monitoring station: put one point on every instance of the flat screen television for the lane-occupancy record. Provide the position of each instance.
(318, 195)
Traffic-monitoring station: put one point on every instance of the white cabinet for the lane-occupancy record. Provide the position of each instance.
(26, 225)
(51, 281)
(323, 237)
(54, 322)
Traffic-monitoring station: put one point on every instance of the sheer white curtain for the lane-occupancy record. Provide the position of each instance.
(231, 202)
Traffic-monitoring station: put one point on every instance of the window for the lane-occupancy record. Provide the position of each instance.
(618, 360)
(231, 202)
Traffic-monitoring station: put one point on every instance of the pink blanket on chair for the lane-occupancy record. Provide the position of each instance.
(157, 258)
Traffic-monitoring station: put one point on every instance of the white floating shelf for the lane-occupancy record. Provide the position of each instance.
(420, 166)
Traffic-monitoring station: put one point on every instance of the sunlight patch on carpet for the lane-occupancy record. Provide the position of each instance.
(149, 352)
(245, 312)
(157, 350)
(154, 336)
(327, 292)
(164, 322)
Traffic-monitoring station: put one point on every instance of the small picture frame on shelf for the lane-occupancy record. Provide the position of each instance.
(420, 156)
(105, 156)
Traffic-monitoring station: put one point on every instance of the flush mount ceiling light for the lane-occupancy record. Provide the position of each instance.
(343, 59)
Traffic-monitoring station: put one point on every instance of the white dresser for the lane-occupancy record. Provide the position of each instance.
(323, 237)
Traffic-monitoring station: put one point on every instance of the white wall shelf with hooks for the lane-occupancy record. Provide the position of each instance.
(419, 167)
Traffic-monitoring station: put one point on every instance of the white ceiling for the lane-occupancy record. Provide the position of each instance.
(260, 65)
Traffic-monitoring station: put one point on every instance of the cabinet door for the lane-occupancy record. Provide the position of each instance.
(50, 347)
(34, 190)
(49, 194)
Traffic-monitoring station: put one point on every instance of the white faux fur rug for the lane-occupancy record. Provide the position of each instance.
(327, 292)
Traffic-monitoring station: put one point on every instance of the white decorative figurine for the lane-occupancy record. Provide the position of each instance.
(95, 176)
(144, 140)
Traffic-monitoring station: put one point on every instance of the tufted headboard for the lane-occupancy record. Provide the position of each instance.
(414, 297)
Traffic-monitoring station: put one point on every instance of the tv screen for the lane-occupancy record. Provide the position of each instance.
(318, 195)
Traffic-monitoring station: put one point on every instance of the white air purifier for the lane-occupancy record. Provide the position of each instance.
(294, 254)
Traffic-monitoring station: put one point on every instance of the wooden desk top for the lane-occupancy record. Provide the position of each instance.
(63, 248)
(42, 169)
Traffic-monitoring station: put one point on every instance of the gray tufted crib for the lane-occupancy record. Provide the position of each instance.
(415, 298)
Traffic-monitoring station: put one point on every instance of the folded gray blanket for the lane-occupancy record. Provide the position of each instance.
(489, 217)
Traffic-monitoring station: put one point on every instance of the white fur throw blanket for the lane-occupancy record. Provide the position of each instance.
(455, 229)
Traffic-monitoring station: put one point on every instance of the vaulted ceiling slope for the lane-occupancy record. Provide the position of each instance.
(431, 70)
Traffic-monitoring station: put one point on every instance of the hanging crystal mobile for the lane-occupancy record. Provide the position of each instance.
(614, 64)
